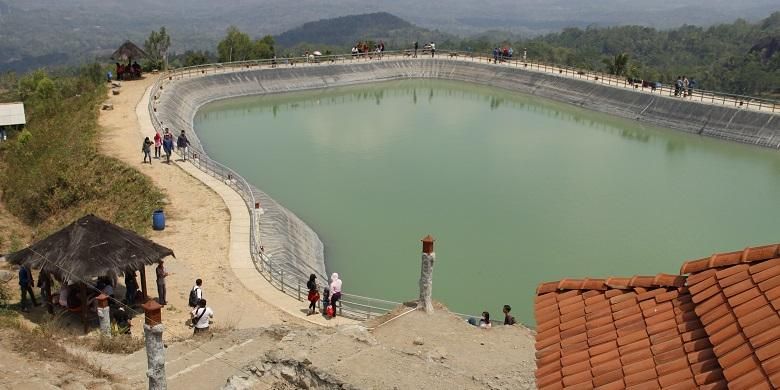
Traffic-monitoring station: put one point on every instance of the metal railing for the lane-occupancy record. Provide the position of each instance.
(290, 279)
(696, 95)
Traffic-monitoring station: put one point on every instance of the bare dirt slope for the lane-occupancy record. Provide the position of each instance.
(196, 229)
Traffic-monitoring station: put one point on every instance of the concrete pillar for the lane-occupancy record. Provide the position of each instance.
(426, 275)
(104, 314)
(155, 350)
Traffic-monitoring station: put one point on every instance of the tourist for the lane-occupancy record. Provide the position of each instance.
(508, 319)
(3, 135)
(685, 84)
(325, 300)
(495, 55)
(161, 275)
(335, 290)
(109, 76)
(131, 287)
(416, 45)
(691, 84)
(136, 70)
(167, 145)
(26, 284)
(147, 149)
(200, 317)
(678, 86)
(314, 294)
(45, 283)
(484, 322)
(182, 143)
(433, 49)
(157, 144)
(196, 294)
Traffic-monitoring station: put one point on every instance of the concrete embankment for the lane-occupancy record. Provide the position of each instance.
(289, 240)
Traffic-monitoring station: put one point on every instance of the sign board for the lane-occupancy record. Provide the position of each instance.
(12, 114)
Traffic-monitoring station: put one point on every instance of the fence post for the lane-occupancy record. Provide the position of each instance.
(299, 290)
(282, 279)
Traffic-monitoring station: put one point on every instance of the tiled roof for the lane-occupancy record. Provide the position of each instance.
(716, 328)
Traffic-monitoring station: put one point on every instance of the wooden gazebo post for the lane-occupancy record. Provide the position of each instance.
(84, 306)
(143, 284)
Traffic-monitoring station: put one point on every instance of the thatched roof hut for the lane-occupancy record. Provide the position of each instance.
(127, 52)
(90, 247)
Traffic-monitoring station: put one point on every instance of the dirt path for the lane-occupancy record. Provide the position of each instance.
(196, 229)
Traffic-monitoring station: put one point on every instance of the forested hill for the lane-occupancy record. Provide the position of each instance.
(739, 57)
(347, 30)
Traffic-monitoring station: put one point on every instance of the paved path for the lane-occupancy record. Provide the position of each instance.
(240, 258)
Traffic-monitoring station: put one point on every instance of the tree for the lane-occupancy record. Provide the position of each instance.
(617, 65)
(156, 47)
(263, 48)
(236, 46)
(192, 58)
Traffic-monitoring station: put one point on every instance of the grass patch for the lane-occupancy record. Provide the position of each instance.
(41, 343)
(117, 343)
(53, 172)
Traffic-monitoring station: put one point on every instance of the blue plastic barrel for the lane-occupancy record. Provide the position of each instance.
(158, 220)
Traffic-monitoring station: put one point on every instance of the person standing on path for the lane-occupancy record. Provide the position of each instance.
(167, 145)
(161, 275)
(314, 294)
(147, 149)
(44, 282)
(335, 291)
(26, 284)
(182, 143)
(131, 287)
(196, 294)
(433, 49)
(200, 317)
(416, 45)
(157, 144)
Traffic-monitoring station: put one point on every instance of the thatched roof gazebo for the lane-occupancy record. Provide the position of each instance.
(91, 247)
(127, 52)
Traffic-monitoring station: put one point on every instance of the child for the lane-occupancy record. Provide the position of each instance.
(508, 319)
(325, 300)
(147, 149)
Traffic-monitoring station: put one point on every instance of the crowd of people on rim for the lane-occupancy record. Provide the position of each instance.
(331, 295)
(502, 53)
(164, 144)
(683, 87)
(125, 72)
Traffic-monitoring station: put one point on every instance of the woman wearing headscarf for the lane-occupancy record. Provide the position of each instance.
(314, 294)
(335, 291)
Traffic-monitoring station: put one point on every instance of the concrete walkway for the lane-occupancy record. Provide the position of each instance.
(240, 258)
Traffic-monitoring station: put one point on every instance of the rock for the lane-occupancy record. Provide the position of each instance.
(359, 333)
(239, 383)
(418, 341)
(115, 91)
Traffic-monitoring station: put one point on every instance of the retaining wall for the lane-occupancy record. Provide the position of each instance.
(289, 240)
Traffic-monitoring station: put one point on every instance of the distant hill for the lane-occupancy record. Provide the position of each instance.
(345, 31)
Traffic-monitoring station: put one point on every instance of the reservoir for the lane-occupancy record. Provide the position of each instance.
(517, 190)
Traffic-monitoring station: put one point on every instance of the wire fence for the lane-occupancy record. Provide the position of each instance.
(291, 278)
(646, 86)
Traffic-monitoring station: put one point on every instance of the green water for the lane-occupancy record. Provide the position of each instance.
(515, 189)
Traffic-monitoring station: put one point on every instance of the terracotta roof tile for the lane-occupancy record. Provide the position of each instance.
(716, 328)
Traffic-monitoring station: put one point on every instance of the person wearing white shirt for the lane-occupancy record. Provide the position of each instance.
(200, 317)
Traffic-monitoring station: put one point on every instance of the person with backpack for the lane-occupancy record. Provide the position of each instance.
(196, 294)
(200, 317)
(167, 145)
(157, 144)
(314, 294)
(325, 301)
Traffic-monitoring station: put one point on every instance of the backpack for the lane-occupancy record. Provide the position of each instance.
(329, 311)
(193, 301)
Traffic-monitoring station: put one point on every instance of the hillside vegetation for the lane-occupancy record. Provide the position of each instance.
(37, 33)
(52, 172)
